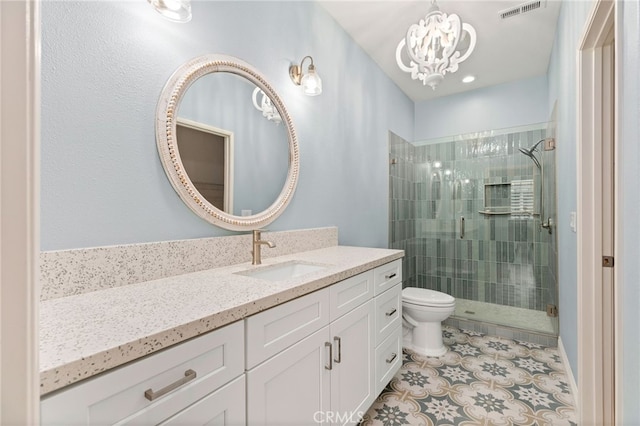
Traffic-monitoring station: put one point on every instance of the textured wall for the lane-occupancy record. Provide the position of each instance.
(491, 108)
(628, 37)
(562, 93)
(103, 67)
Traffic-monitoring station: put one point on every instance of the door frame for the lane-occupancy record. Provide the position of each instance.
(597, 233)
(19, 210)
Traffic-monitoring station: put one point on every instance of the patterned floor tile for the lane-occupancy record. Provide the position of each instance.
(481, 380)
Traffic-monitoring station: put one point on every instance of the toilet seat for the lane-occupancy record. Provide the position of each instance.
(426, 297)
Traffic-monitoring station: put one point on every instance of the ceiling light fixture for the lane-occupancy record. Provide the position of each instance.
(310, 82)
(469, 79)
(265, 106)
(173, 10)
(431, 46)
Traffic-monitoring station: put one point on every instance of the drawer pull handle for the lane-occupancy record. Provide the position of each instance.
(388, 277)
(391, 312)
(391, 358)
(330, 366)
(188, 376)
(339, 342)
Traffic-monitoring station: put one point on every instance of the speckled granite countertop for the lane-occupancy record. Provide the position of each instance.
(83, 335)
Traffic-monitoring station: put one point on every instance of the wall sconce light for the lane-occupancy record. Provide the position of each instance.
(173, 10)
(310, 82)
(265, 106)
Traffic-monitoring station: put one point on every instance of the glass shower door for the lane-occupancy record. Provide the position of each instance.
(478, 235)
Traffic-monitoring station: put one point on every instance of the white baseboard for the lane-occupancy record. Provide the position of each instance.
(570, 376)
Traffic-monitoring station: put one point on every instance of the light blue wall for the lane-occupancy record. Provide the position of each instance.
(628, 38)
(497, 107)
(103, 67)
(562, 89)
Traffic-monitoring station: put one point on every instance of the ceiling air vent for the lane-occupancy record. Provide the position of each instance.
(522, 8)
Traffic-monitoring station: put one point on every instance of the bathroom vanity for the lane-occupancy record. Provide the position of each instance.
(237, 347)
(310, 337)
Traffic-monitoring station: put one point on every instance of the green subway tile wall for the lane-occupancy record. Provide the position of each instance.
(505, 259)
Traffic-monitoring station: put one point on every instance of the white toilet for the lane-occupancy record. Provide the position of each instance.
(423, 312)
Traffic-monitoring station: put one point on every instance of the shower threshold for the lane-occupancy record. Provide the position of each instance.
(507, 316)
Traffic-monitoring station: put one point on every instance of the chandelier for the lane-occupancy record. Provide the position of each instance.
(431, 46)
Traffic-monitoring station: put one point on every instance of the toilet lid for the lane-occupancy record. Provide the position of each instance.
(426, 296)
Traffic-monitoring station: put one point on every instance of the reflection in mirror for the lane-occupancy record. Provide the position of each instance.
(224, 100)
(263, 162)
(207, 154)
(265, 106)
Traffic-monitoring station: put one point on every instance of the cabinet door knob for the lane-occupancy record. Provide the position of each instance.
(388, 277)
(391, 312)
(188, 376)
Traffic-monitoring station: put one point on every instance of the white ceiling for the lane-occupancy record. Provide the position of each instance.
(506, 49)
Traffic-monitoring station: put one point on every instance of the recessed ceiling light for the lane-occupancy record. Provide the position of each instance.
(468, 79)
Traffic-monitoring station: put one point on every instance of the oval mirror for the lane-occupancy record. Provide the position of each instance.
(227, 143)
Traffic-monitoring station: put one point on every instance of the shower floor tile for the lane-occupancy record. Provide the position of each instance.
(482, 380)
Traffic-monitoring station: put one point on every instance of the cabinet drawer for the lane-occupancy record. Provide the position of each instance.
(388, 275)
(273, 330)
(350, 293)
(388, 312)
(119, 396)
(388, 359)
(226, 406)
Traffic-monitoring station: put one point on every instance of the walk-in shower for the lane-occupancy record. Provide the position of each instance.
(475, 218)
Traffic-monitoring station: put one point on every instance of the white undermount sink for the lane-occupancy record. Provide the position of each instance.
(282, 271)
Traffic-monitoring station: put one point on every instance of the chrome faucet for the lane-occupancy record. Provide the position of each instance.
(257, 242)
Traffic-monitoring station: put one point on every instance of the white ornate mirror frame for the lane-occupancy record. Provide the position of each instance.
(166, 118)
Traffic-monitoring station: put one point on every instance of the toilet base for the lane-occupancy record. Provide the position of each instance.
(425, 339)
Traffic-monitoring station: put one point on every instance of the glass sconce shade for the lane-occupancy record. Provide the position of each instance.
(173, 10)
(310, 82)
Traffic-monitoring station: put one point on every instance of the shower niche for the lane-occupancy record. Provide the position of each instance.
(512, 198)
(502, 267)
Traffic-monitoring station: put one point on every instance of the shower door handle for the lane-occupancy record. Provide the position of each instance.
(461, 227)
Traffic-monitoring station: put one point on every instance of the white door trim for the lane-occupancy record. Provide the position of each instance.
(19, 211)
(595, 144)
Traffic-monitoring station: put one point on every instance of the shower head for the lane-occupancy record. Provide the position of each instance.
(529, 153)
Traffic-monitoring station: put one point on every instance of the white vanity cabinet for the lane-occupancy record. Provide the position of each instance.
(319, 359)
(325, 373)
(192, 380)
(330, 376)
(388, 308)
